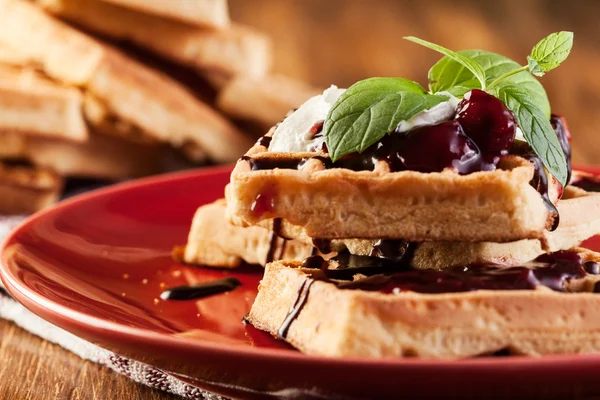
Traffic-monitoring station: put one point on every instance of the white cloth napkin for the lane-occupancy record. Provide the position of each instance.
(137, 371)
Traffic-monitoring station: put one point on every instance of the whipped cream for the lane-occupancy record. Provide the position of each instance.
(442, 112)
(519, 135)
(293, 133)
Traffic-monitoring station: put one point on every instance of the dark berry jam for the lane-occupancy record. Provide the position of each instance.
(431, 149)
(550, 270)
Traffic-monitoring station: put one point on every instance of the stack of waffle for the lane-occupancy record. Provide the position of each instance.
(381, 263)
(93, 89)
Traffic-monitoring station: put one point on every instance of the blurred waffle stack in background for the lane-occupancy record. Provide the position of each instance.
(114, 89)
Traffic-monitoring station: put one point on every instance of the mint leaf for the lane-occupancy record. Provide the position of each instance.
(550, 52)
(370, 109)
(534, 67)
(383, 84)
(536, 128)
(465, 61)
(448, 75)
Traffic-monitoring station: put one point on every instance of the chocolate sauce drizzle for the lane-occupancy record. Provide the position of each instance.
(264, 141)
(272, 247)
(276, 234)
(296, 308)
(323, 245)
(540, 183)
(395, 250)
(558, 124)
(259, 164)
(200, 290)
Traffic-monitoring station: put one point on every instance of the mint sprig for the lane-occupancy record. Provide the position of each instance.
(467, 62)
(550, 52)
(449, 76)
(370, 109)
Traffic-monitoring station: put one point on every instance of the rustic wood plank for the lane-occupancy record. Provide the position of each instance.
(33, 369)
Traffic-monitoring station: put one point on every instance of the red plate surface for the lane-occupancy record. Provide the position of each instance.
(96, 264)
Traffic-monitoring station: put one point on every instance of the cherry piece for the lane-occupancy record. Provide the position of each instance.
(430, 149)
(487, 121)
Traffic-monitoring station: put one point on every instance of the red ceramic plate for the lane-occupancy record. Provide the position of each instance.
(96, 265)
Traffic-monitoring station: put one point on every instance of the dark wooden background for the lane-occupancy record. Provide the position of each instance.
(342, 41)
(339, 42)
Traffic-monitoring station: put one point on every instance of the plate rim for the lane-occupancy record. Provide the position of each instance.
(30, 299)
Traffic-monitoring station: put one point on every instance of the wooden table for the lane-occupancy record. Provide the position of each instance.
(33, 369)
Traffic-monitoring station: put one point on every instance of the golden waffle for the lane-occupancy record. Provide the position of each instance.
(234, 50)
(31, 104)
(151, 101)
(263, 101)
(339, 203)
(24, 190)
(211, 13)
(214, 242)
(319, 318)
(101, 156)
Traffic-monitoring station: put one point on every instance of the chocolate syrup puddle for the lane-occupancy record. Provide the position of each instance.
(296, 307)
(201, 290)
